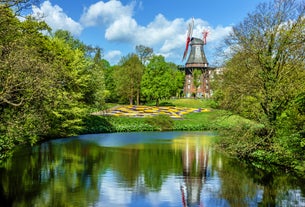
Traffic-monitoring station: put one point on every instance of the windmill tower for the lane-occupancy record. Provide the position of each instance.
(196, 68)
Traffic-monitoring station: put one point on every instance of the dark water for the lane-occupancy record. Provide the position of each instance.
(140, 169)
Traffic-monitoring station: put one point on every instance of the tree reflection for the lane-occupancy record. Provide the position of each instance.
(52, 175)
(74, 173)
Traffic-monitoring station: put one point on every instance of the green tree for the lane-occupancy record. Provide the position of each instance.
(266, 71)
(159, 79)
(47, 83)
(264, 80)
(128, 76)
(25, 79)
(110, 92)
(94, 95)
(177, 80)
(66, 105)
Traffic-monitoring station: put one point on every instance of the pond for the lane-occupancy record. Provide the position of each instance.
(140, 169)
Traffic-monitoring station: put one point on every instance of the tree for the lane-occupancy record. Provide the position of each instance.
(47, 84)
(159, 79)
(144, 53)
(266, 71)
(110, 91)
(128, 78)
(25, 80)
(18, 5)
(94, 94)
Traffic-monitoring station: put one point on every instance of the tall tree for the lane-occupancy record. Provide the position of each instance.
(266, 71)
(94, 94)
(128, 77)
(159, 79)
(110, 91)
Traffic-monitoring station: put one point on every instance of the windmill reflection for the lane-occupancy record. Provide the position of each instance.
(195, 161)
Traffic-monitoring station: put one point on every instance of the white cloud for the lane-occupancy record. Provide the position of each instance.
(106, 13)
(113, 56)
(122, 30)
(55, 17)
(160, 31)
(166, 37)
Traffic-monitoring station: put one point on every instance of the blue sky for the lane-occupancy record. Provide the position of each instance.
(118, 26)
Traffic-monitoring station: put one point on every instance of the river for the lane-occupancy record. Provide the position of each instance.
(140, 169)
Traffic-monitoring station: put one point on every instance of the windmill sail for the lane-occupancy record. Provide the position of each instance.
(188, 38)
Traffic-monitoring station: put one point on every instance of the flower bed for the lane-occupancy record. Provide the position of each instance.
(144, 111)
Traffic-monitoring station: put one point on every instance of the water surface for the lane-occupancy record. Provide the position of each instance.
(140, 169)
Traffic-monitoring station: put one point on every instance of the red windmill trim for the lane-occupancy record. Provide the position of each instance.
(188, 38)
(205, 34)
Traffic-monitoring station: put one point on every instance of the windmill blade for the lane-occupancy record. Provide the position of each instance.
(188, 38)
(205, 34)
(191, 26)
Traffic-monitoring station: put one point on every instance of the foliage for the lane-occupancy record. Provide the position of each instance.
(128, 85)
(263, 80)
(160, 80)
(266, 71)
(97, 124)
(110, 95)
(94, 95)
(18, 5)
(47, 83)
(162, 122)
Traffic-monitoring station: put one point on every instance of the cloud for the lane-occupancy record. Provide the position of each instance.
(55, 17)
(122, 30)
(166, 37)
(159, 31)
(113, 56)
(106, 13)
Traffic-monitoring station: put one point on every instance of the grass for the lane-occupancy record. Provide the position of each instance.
(191, 103)
(212, 120)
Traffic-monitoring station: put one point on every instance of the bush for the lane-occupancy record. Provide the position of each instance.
(162, 122)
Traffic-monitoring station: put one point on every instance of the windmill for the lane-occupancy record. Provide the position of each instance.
(196, 61)
(188, 38)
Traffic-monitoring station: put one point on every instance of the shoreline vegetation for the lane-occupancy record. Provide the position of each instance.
(232, 130)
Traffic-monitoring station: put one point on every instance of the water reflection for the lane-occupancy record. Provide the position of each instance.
(140, 169)
(195, 155)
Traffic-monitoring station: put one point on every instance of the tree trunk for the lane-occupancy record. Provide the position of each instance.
(157, 102)
(138, 96)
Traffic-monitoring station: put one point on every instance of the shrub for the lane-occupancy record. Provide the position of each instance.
(162, 122)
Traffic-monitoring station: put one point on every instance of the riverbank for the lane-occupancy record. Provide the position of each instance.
(238, 137)
(178, 114)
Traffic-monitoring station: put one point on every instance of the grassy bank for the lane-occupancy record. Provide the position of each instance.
(211, 120)
(239, 137)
